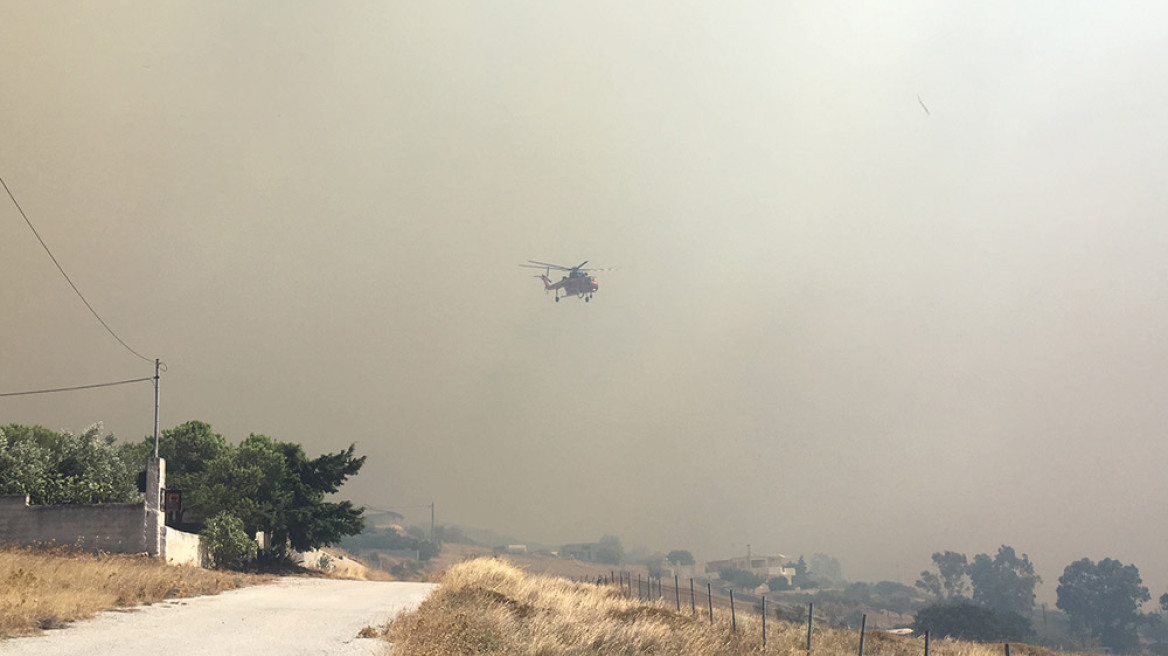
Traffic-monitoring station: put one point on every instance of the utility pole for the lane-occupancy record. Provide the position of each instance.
(157, 365)
(431, 521)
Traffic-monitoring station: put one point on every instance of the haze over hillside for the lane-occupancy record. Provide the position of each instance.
(839, 323)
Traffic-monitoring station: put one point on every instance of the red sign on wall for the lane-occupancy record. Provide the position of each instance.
(173, 501)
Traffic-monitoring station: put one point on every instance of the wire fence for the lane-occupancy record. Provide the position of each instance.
(693, 599)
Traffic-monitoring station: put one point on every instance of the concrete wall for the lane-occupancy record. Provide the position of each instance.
(113, 527)
(183, 548)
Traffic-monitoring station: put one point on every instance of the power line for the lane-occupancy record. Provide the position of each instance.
(79, 387)
(67, 278)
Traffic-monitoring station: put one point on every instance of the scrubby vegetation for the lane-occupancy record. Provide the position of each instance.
(373, 540)
(227, 543)
(487, 606)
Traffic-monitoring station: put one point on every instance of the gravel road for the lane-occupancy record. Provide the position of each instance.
(292, 617)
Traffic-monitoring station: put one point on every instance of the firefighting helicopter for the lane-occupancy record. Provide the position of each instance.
(577, 283)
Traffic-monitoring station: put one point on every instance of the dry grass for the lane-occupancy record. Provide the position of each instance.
(45, 589)
(340, 564)
(487, 606)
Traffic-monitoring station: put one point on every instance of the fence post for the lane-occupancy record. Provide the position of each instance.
(1007, 649)
(733, 617)
(677, 592)
(639, 596)
(693, 604)
(926, 643)
(764, 621)
(863, 625)
(810, 608)
(710, 601)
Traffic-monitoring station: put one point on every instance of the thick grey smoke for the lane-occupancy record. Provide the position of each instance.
(839, 323)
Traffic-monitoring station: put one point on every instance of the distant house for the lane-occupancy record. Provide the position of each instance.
(382, 519)
(764, 567)
(513, 549)
(580, 551)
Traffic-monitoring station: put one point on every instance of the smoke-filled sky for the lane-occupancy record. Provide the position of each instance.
(889, 280)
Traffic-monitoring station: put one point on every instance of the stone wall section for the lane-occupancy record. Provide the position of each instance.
(109, 527)
(112, 527)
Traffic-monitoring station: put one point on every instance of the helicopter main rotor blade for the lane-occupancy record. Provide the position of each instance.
(545, 265)
(577, 267)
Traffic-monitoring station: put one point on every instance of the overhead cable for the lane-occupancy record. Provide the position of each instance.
(79, 387)
(67, 278)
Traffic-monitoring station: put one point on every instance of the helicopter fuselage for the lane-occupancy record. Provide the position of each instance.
(582, 286)
(577, 283)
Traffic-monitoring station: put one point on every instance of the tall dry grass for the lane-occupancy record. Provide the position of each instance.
(44, 589)
(487, 606)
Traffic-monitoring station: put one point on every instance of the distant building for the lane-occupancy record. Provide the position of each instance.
(764, 567)
(580, 551)
(382, 519)
(510, 549)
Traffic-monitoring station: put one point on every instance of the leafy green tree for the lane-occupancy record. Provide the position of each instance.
(1102, 601)
(826, 570)
(271, 486)
(189, 449)
(310, 521)
(227, 543)
(930, 584)
(65, 468)
(954, 569)
(655, 563)
(802, 578)
(25, 460)
(248, 481)
(950, 581)
(610, 551)
(967, 621)
(1005, 582)
(680, 557)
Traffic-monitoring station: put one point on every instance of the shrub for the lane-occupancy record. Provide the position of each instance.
(966, 621)
(227, 543)
(739, 577)
(779, 583)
